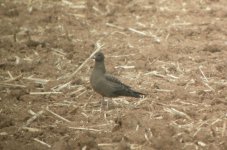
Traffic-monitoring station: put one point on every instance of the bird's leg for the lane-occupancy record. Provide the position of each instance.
(102, 101)
(107, 104)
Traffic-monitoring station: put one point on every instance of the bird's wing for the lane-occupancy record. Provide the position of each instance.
(115, 81)
(117, 88)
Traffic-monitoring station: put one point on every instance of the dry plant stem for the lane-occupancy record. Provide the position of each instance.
(197, 131)
(56, 115)
(145, 135)
(81, 94)
(125, 67)
(79, 89)
(98, 48)
(97, 10)
(3, 133)
(41, 142)
(138, 32)
(201, 143)
(107, 144)
(164, 90)
(72, 5)
(31, 112)
(223, 129)
(37, 80)
(155, 73)
(119, 56)
(33, 118)
(206, 84)
(10, 75)
(100, 125)
(60, 87)
(31, 129)
(44, 93)
(205, 78)
(134, 31)
(79, 15)
(60, 51)
(177, 112)
(13, 85)
(14, 78)
(115, 26)
(216, 121)
(86, 129)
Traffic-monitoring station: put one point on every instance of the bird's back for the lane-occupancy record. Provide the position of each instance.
(107, 85)
(101, 85)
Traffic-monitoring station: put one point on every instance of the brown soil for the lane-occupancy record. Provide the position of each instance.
(175, 51)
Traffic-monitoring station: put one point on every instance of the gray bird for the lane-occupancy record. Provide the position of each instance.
(107, 85)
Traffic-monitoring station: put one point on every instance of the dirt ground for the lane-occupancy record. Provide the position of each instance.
(173, 50)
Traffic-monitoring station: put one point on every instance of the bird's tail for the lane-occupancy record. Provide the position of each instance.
(129, 92)
(136, 94)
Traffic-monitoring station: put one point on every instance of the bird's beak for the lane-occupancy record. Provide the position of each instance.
(93, 57)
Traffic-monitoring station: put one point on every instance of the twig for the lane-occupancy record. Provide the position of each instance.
(3, 133)
(80, 89)
(33, 118)
(99, 125)
(141, 101)
(79, 15)
(60, 51)
(157, 39)
(14, 78)
(37, 80)
(155, 73)
(125, 67)
(207, 85)
(223, 129)
(85, 115)
(196, 132)
(87, 129)
(10, 75)
(182, 24)
(107, 144)
(13, 85)
(114, 26)
(41, 142)
(178, 113)
(44, 93)
(62, 86)
(98, 48)
(147, 138)
(200, 69)
(216, 121)
(56, 115)
(122, 55)
(201, 143)
(81, 93)
(31, 112)
(31, 129)
(98, 10)
(137, 31)
(172, 76)
(163, 90)
(72, 5)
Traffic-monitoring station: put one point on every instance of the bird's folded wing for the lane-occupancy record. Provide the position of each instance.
(111, 79)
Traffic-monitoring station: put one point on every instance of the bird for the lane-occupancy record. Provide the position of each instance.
(107, 85)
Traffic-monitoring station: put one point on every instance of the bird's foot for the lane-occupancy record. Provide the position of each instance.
(107, 104)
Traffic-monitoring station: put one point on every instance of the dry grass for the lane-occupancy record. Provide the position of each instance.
(162, 82)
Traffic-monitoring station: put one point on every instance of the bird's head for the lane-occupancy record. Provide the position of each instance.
(98, 57)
